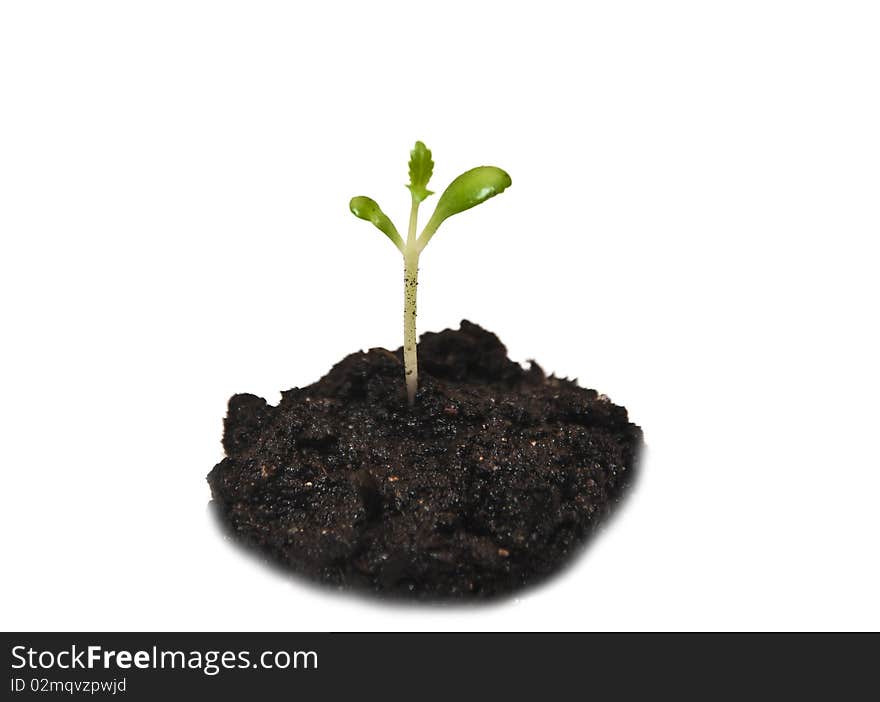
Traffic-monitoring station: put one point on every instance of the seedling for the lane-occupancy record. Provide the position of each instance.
(468, 190)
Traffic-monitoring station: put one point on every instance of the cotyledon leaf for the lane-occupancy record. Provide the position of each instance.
(468, 190)
(368, 209)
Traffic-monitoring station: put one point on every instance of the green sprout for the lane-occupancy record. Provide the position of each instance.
(468, 190)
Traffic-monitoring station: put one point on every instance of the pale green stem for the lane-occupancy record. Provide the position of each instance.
(410, 356)
(413, 223)
(410, 288)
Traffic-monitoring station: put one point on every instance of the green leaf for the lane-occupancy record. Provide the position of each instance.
(468, 190)
(367, 208)
(420, 169)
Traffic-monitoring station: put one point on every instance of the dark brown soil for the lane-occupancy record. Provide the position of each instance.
(493, 481)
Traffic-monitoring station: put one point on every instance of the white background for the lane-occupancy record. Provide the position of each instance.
(692, 229)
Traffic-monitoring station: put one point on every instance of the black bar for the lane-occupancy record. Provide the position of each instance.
(413, 666)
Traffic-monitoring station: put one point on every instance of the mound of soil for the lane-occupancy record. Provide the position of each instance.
(491, 482)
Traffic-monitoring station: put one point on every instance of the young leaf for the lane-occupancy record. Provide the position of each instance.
(468, 190)
(367, 208)
(420, 169)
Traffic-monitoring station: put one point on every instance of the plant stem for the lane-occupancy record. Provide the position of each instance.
(410, 288)
(413, 223)
(410, 356)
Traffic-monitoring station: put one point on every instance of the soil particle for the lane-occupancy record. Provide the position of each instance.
(493, 481)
